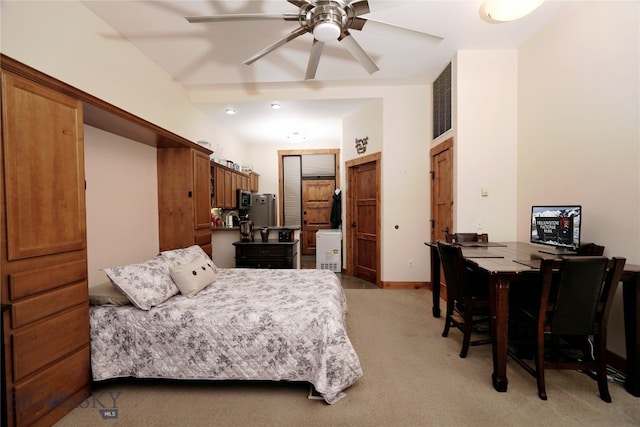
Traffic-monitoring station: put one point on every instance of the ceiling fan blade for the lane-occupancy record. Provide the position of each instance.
(356, 50)
(314, 59)
(298, 3)
(360, 7)
(357, 23)
(292, 35)
(385, 28)
(243, 17)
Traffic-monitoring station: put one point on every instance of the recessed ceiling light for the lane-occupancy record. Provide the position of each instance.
(230, 111)
(275, 106)
(296, 137)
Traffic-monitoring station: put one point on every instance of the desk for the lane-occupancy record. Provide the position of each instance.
(498, 263)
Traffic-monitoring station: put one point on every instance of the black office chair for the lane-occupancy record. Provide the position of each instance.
(467, 296)
(574, 305)
(467, 237)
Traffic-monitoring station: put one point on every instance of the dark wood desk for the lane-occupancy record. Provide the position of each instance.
(498, 263)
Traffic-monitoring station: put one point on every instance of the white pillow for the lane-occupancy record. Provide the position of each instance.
(146, 284)
(184, 256)
(107, 294)
(193, 277)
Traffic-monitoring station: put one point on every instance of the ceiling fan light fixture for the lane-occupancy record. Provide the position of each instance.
(326, 31)
(508, 10)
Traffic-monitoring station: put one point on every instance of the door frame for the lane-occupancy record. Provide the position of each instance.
(349, 235)
(284, 153)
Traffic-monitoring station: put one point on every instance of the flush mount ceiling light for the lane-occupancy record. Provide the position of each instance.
(230, 111)
(275, 106)
(508, 10)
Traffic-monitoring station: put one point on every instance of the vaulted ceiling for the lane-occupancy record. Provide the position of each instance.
(421, 39)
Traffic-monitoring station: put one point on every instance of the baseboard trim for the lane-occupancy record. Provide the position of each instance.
(404, 285)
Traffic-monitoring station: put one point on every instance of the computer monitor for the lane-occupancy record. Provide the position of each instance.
(557, 226)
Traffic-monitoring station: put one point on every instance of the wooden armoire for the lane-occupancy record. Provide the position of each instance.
(43, 246)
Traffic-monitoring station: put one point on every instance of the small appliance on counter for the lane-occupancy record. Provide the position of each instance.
(244, 199)
(285, 235)
(246, 231)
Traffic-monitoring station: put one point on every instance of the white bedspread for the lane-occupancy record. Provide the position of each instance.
(251, 324)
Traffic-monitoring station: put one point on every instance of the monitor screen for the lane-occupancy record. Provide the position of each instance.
(557, 226)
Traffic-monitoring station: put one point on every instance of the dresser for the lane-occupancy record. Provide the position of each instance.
(271, 254)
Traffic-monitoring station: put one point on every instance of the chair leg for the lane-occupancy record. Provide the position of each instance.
(539, 362)
(466, 337)
(447, 319)
(601, 372)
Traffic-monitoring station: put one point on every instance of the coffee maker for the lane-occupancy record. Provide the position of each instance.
(246, 231)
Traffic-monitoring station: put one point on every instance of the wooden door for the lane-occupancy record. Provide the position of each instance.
(317, 198)
(43, 256)
(363, 217)
(442, 195)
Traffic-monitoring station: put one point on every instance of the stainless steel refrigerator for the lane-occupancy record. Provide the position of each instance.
(263, 210)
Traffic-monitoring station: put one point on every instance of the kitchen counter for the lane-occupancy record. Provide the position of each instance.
(255, 229)
(222, 239)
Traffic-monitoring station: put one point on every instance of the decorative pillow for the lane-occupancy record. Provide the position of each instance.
(184, 256)
(193, 277)
(146, 284)
(107, 294)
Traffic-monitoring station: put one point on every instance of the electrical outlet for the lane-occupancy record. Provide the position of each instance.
(479, 223)
(410, 264)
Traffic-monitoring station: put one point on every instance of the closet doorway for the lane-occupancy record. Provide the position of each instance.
(307, 181)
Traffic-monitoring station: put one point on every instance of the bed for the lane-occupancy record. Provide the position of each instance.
(249, 324)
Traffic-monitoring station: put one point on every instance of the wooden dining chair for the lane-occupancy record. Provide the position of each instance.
(574, 306)
(590, 249)
(467, 237)
(467, 296)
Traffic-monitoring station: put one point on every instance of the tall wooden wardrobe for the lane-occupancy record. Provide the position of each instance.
(43, 246)
(44, 253)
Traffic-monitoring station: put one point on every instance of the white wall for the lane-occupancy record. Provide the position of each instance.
(121, 200)
(485, 145)
(366, 123)
(67, 41)
(579, 127)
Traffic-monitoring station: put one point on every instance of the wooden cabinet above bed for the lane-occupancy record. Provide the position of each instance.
(184, 198)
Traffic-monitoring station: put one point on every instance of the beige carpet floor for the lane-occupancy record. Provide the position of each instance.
(412, 377)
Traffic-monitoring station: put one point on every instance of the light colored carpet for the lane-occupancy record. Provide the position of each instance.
(412, 377)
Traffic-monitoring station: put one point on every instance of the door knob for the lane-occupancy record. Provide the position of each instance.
(353, 224)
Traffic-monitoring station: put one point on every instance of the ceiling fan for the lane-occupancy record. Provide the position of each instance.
(326, 20)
